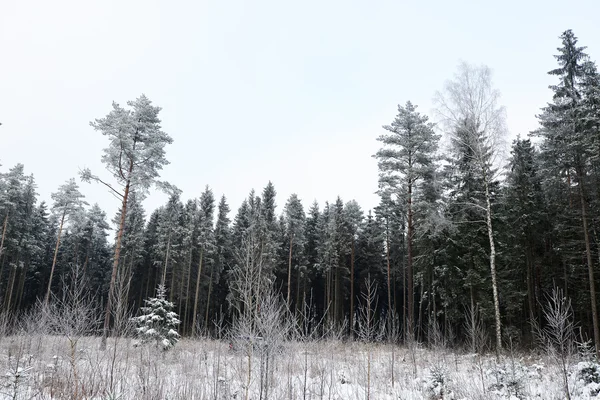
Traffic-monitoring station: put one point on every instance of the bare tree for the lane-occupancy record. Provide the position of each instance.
(473, 121)
(368, 327)
(74, 315)
(558, 336)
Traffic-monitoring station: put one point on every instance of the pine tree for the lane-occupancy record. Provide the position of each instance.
(68, 200)
(390, 214)
(407, 156)
(354, 220)
(134, 157)
(158, 322)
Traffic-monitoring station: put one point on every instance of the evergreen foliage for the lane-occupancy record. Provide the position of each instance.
(158, 322)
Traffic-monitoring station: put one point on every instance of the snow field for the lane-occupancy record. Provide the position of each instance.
(50, 367)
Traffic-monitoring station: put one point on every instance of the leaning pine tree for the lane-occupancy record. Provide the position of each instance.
(159, 322)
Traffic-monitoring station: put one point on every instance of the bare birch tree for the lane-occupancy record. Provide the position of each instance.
(473, 120)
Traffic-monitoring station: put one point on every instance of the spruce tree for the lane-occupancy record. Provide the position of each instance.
(568, 145)
(294, 227)
(158, 322)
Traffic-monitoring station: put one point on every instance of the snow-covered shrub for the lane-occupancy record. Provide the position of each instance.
(158, 323)
(509, 379)
(437, 385)
(588, 375)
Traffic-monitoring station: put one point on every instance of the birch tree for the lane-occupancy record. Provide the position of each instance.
(475, 124)
(134, 157)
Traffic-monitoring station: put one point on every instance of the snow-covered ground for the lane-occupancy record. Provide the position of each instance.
(45, 367)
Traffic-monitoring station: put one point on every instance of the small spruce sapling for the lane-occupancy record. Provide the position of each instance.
(159, 322)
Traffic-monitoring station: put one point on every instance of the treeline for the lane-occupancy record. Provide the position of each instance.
(461, 235)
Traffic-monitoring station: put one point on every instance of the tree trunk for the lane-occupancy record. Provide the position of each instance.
(493, 265)
(389, 284)
(113, 276)
(164, 274)
(352, 286)
(588, 253)
(289, 282)
(187, 291)
(21, 286)
(5, 225)
(197, 292)
(11, 284)
(409, 264)
(530, 288)
(212, 271)
(337, 295)
(2, 258)
(62, 220)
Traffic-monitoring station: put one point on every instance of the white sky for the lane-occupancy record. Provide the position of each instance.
(252, 91)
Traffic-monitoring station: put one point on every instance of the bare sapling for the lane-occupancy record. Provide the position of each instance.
(477, 336)
(368, 329)
(123, 327)
(306, 331)
(558, 336)
(74, 315)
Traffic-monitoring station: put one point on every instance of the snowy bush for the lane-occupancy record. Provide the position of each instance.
(509, 380)
(588, 376)
(437, 385)
(158, 323)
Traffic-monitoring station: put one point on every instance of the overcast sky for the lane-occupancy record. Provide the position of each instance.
(294, 92)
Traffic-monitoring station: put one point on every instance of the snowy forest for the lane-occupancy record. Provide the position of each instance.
(472, 241)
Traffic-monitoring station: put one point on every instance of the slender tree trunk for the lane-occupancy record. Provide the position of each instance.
(404, 317)
(409, 264)
(197, 292)
(530, 288)
(187, 292)
(113, 276)
(298, 304)
(389, 267)
(328, 294)
(62, 220)
(21, 286)
(289, 288)
(588, 253)
(493, 265)
(4, 226)
(11, 280)
(2, 255)
(420, 313)
(210, 283)
(352, 286)
(338, 294)
(166, 263)
(473, 315)
(11, 284)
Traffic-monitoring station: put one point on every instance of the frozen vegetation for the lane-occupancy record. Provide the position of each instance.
(45, 367)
